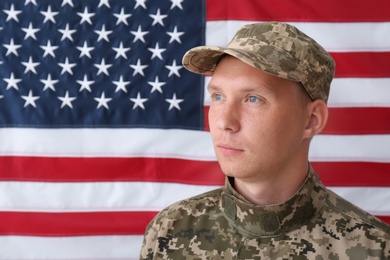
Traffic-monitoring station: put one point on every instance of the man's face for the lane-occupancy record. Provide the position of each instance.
(257, 121)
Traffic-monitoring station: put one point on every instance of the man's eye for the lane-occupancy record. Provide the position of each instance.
(218, 97)
(253, 99)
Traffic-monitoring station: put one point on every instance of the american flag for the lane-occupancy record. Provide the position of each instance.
(101, 126)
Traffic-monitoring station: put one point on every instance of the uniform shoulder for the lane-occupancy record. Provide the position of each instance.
(354, 213)
(192, 205)
(182, 216)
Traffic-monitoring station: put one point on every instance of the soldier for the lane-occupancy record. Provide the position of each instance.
(269, 94)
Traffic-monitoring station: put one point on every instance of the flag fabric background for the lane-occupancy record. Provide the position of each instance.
(101, 126)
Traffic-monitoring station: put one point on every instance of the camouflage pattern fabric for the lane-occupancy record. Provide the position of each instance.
(277, 48)
(314, 224)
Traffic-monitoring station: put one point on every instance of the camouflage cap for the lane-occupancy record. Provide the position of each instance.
(277, 48)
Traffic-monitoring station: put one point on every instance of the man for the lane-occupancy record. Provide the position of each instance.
(268, 93)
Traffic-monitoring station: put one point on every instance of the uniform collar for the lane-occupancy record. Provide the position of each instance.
(274, 220)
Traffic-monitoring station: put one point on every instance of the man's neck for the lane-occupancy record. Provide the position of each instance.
(276, 189)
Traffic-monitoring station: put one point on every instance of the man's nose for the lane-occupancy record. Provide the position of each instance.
(229, 117)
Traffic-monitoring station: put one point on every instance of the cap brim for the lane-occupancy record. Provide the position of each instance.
(204, 60)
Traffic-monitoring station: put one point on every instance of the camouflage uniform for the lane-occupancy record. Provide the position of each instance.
(314, 224)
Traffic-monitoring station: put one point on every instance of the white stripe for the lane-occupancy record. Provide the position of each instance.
(93, 196)
(334, 37)
(196, 145)
(133, 142)
(360, 92)
(349, 92)
(86, 197)
(206, 98)
(370, 199)
(63, 248)
(363, 148)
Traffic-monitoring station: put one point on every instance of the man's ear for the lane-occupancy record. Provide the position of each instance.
(318, 116)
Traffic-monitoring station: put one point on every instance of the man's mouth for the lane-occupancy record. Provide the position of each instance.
(228, 149)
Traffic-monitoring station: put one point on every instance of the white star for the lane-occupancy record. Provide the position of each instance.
(103, 101)
(66, 100)
(140, 3)
(85, 84)
(174, 103)
(85, 17)
(175, 35)
(103, 67)
(122, 17)
(30, 32)
(49, 15)
(85, 50)
(30, 65)
(30, 99)
(12, 14)
(158, 18)
(104, 2)
(12, 82)
(173, 69)
(139, 34)
(49, 49)
(120, 51)
(34, 2)
(67, 67)
(69, 2)
(138, 101)
(138, 68)
(121, 85)
(156, 85)
(103, 34)
(177, 3)
(12, 48)
(156, 52)
(49, 83)
(1, 96)
(67, 33)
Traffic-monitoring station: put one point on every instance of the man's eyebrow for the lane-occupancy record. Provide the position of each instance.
(248, 89)
(212, 87)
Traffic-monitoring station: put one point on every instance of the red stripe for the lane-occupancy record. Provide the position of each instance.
(80, 224)
(206, 118)
(374, 120)
(170, 170)
(299, 10)
(50, 169)
(363, 174)
(362, 64)
(384, 218)
(353, 121)
(74, 224)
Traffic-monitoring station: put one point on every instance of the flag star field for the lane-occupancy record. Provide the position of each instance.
(96, 63)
